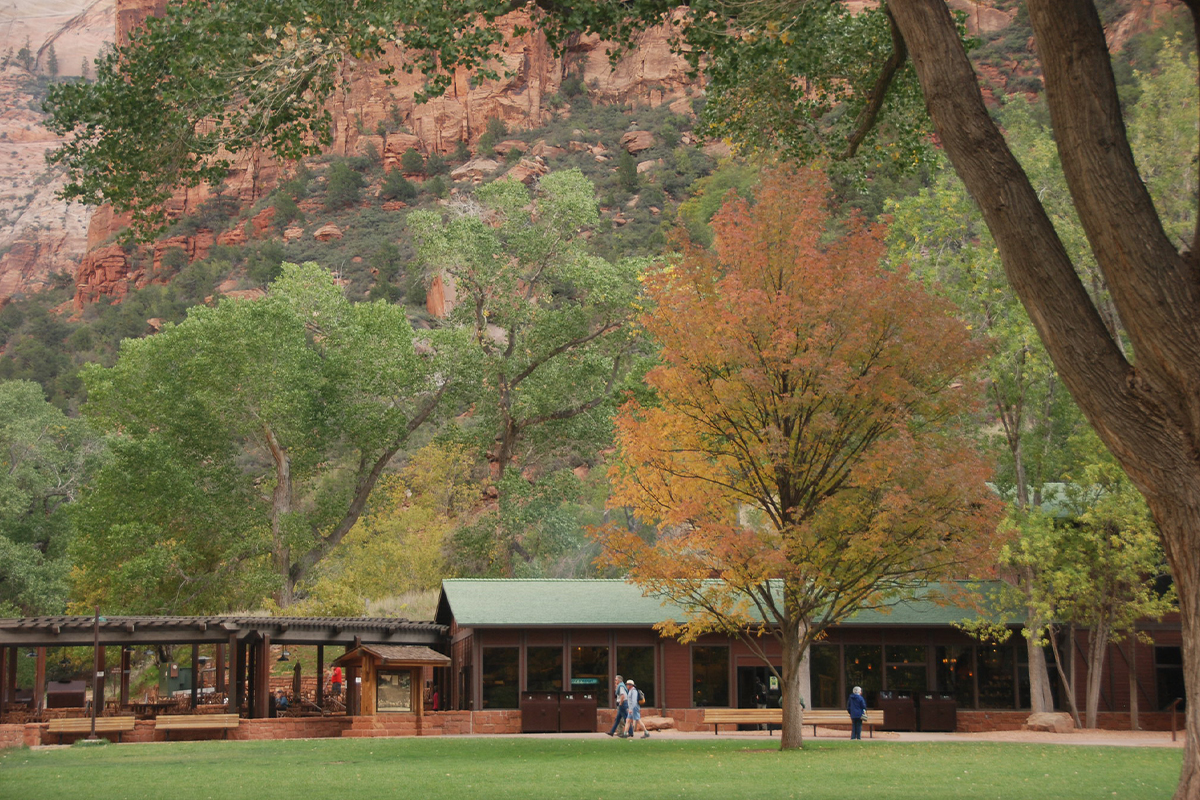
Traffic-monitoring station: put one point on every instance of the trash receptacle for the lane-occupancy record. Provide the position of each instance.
(577, 712)
(539, 712)
(938, 712)
(899, 712)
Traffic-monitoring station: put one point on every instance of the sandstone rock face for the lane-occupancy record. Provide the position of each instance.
(327, 232)
(637, 141)
(1053, 722)
(40, 235)
(527, 170)
(475, 170)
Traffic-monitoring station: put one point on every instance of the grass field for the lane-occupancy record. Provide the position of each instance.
(529, 769)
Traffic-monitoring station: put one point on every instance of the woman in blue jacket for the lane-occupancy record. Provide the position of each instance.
(857, 706)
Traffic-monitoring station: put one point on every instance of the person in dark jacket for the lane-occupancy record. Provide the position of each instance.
(857, 706)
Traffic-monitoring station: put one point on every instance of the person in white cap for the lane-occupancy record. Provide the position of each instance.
(633, 710)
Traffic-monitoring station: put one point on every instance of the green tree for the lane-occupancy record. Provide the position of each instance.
(397, 187)
(412, 162)
(51, 62)
(45, 460)
(548, 322)
(627, 174)
(25, 56)
(343, 187)
(281, 414)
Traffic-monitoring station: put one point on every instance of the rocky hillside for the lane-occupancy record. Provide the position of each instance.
(40, 236)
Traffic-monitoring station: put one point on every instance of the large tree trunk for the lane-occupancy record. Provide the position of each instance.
(1097, 650)
(1040, 697)
(1148, 417)
(793, 645)
(281, 507)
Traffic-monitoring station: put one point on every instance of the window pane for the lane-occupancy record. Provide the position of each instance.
(864, 667)
(710, 676)
(906, 654)
(393, 691)
(543, 669)
(589, 668)
(500, 677)
(1168, 668)
(996, 677)
(954, 674)
(823, 671)
(638, 663)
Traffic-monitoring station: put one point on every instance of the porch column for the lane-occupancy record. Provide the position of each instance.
(320, 698)
(251, 679)
(102, 672)
(262, 691)
(39, 681)
(11, 678)
(125, 666)
(3, 677)
(219, 669)
(195, 674)
(237, 673)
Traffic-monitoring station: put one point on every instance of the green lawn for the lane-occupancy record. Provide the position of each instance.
(526, 769)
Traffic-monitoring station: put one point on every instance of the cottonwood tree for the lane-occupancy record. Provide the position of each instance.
(806, 452)
(46, 459)
(547, 323)
(255, 430)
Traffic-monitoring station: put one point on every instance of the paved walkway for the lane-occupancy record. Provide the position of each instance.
(1079, 737)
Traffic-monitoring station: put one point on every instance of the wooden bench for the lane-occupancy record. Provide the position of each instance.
(774, 716)
(117, 725)
(196, 722)
(836, 716)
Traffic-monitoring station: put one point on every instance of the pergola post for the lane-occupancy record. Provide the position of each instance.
(252, 680)
(320, 698)
(219, 666)
(262, 692)
(101, 675)
(3, 678)
(39, 680)
(195, 674)
(11, 678)
(237, 667)
(125, 668)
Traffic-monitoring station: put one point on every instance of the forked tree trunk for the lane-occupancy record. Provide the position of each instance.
(1040, 697)
(1149, 416)
(1097, 650)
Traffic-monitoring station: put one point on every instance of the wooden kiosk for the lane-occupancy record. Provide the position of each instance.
(386, 679)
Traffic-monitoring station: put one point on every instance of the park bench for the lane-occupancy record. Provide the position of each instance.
(117, 725)
(196, 722)
(774, 716)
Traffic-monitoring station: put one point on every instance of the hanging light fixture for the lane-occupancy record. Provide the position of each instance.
(284, 656)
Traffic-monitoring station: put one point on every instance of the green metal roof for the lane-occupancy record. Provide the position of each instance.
(492, 602)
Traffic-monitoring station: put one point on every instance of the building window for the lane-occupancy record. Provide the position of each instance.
(543, 669)
(864, 667)
(905, 669)
(637, 663)
(996, 667)
(710, 676)
(393, 691)
(956, 673)
(823, 668)
(1168, 673)
(589, 669)
(500, 675)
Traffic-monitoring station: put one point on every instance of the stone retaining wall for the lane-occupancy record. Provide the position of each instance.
(457, 723)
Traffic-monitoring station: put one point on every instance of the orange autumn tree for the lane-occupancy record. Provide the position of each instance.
(807, 451)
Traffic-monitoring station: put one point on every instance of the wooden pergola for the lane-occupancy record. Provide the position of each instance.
(242, 644)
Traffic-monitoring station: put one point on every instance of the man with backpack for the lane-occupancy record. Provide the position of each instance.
(619, 724)
(633, 702)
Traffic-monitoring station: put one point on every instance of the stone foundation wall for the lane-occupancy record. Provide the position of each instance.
(458, 723)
